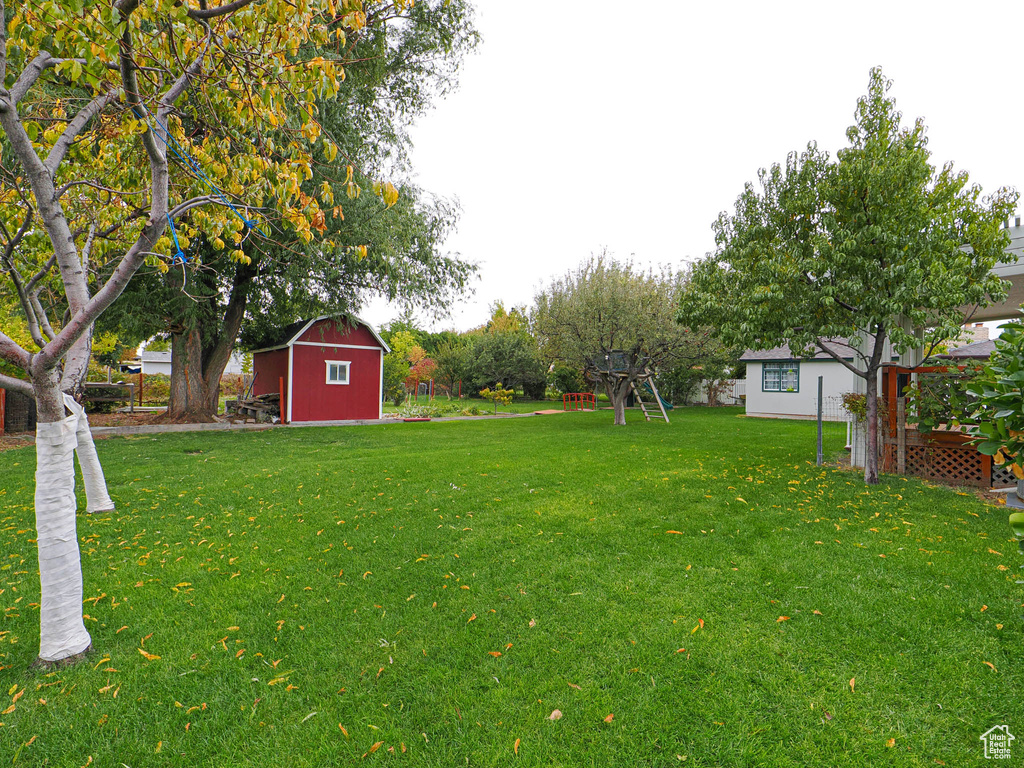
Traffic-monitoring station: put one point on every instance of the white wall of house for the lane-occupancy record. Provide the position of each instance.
(156, 363)
(803, 402)
(160, 363)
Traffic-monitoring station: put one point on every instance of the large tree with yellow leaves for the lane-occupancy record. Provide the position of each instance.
(95, 99)
(402, 61)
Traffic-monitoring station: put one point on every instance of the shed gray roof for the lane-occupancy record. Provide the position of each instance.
(840, 347)
(155, 357)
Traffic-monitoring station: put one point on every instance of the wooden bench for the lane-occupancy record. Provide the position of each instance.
(99, 385)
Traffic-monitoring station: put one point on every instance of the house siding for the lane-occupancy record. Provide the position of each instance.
(270, 368)
(316, 400)
(836, 381)
(303, 365)
(331, 332)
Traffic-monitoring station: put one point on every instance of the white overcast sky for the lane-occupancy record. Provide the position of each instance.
(580, 126)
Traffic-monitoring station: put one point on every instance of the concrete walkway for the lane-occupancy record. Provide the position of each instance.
(25, 438)
(225, 426)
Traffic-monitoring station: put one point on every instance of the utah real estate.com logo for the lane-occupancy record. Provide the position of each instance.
(997, 742)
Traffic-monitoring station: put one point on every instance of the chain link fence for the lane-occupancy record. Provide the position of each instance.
(837, 425)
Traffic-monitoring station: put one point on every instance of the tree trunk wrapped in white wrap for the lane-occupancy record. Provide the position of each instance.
(62, 631)
(96, 497)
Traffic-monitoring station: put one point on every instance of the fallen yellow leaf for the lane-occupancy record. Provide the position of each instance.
(852, 679)
(990, 664)
(782, 618)
(515, 747)
(148, 656)
(609, 718)
(891, 743)
(556, 714)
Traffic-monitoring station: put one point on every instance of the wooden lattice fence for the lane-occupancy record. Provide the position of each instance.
(943, 455)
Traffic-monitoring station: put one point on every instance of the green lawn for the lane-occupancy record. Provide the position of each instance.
(518, 405)
(441, 588)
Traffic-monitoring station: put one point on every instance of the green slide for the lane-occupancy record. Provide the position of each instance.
(665, 403)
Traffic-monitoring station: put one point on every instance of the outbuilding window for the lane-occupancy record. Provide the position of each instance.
(780, 377)
(337, 371)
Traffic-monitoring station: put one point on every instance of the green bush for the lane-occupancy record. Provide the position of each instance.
(156, 389)
(565, 379)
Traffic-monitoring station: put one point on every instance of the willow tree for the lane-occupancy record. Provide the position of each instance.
(876, 247)
(606, 310)
(95, 100)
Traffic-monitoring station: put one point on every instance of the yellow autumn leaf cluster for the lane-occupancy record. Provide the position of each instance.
(242, 134)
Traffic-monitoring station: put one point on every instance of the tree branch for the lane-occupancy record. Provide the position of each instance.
(75, 127)
(12, 352)
(195, 202)
(220, 10)
(28, 77)
(80, 322)
(3, 44)
(16, 385)
(95, 185)
(41, 318)
(818, 343)
(131, 83)
(43, 271)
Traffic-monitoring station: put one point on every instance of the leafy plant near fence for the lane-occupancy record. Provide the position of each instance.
(944, 398)
(998, 415)
(856, 404)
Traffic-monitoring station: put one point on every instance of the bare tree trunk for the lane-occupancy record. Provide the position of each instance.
(617, 389)
(189, 396)
(197, 368)
(871, 441)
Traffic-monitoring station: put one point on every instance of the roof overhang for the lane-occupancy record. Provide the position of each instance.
(314, 321)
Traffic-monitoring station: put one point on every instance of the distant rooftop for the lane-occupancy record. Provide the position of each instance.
(839, 346)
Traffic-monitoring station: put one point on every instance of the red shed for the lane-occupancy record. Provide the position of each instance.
(331, 370)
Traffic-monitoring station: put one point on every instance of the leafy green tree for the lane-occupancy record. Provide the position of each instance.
(877, 246)
(396, 370)
(702, 357)
(509, 356)
(387, 244)
(615, 322)
(92, 114)
(566, 378)
(451, 363)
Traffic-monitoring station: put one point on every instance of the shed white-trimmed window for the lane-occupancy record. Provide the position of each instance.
(337, 371)
(780, 377)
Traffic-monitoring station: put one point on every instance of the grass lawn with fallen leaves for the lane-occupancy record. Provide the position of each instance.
(693, 594)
